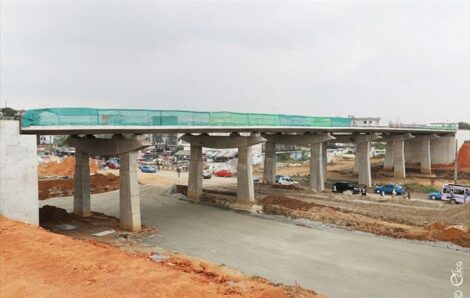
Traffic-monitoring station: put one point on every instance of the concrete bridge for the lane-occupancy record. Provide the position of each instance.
(424, 145)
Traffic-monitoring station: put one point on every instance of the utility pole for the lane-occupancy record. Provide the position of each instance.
(456, 161)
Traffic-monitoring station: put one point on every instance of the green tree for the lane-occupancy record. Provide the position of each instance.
(9, 112)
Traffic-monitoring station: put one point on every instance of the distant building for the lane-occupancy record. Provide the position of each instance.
(364, 121)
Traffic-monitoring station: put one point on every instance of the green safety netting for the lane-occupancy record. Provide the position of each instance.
(129, 117)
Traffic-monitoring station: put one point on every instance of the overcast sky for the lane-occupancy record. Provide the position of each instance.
(406, 61)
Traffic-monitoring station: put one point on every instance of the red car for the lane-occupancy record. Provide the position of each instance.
(223, 173)
(112, 165)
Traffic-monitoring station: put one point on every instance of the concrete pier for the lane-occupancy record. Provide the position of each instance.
(124, 146)
(317, 176)
(356, 160)
(245, 186)
(81, 195)
(443, 150)
(388, 162)
(399, 170)
(195, 173)
(325, 160)
(129, 201)
(363, 158)
(425, 166)
(398, 155)
(362, 162)
(269, 174)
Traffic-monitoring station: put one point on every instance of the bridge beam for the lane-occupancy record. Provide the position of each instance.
(222, 142)
(118, 144)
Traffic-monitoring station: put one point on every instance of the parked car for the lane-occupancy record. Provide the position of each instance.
(255, 179)
(455, 193)
(391, 188)
(286, 180)
(434, 195)
(148, 169)
(206, 175)
(342, 186)
(112, 164)
(223, 173)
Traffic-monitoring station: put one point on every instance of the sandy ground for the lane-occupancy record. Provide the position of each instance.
(38, 263)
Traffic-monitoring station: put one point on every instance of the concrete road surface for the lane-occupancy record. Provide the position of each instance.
(330, 261)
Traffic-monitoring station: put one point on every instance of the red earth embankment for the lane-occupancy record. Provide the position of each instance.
(64, 168)
(64, 187)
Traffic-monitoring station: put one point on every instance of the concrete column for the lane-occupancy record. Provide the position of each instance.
(426, 156)
(356, 160)
(269, 175)
(317, 177)
(81, 194)
(325, 160)
(129, 201)
(245, 186)
(399, 159)
(388, 162)
(363, 160)
(443, 150)
(195, 173)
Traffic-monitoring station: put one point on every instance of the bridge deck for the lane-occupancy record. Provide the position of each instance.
(75, 121)
(90, 130)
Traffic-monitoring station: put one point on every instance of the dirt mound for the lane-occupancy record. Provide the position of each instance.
(64, 187)
(49, 213)
(452, 234)
(64, 168)
(281, 205)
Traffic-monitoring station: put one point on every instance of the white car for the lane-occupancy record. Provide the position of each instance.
(286, 180)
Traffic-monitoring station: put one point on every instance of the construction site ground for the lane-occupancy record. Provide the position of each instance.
(38, 263)
(332, 261)
(226, 237)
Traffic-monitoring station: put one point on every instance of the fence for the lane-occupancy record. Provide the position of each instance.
(128, 117)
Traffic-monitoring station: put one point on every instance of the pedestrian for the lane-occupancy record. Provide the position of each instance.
(178, 171)
(409, 195)
(364, 191)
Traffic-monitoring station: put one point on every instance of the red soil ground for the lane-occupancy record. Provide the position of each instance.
(38, 263)
(65, 168)
(64, 187)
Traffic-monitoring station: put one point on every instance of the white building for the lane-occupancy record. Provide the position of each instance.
(364, 121)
